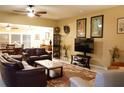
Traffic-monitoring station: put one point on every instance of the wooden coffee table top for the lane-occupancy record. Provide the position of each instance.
(49, 64)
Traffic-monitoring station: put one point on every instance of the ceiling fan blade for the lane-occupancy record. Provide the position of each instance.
(41, 12)
(19, 11)
(38, 15)
(14, 28)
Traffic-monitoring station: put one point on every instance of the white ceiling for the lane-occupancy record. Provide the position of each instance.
(58, 12)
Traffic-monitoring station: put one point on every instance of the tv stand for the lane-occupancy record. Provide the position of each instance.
(82, 60)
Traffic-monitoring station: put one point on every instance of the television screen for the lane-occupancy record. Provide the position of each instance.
(85, 45)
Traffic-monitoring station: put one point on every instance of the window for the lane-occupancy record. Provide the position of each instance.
(30, 36)
(16, 39)
(26, 41)
(4, 39)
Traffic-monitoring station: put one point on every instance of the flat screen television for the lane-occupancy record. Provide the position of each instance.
(85, 45)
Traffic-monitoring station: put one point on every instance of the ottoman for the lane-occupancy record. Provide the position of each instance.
(78, 82)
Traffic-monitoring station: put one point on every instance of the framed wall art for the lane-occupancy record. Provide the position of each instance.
(81, 27)
(37, 36)
(120, 25)
(97, 26)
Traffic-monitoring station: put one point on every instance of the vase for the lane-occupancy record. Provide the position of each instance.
(50, 42)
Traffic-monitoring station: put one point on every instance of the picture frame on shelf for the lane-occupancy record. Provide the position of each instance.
(81, 28)
(97, 26)
(120, 25)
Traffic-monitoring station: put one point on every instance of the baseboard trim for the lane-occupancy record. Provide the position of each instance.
(91, 65)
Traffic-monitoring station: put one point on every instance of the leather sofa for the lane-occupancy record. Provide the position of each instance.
(33, 54)
(15, 74)
(112, 78)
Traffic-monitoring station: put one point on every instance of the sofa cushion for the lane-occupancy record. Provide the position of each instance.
(12, 65)
(17, 57)
(30, 51)
(34, 57)
(5, 55)
(40, 51)
(9, 58)
(44, 57)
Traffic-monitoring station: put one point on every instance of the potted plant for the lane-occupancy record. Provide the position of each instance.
(114, 53)
(66, 47)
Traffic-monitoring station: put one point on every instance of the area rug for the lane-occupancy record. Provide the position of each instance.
(70, 70)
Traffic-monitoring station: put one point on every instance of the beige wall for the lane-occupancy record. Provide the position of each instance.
(25, 20)
(102, 46)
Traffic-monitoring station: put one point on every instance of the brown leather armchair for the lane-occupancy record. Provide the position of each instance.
(14, 74)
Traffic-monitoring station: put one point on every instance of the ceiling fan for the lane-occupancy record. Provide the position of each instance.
(7, 26)
(30, 11)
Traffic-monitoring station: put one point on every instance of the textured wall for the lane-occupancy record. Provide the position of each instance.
(102, 46)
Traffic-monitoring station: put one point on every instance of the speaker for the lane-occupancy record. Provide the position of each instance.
(66, 29)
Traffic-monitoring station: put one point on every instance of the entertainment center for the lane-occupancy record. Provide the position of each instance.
(85, 45)
(81, 60)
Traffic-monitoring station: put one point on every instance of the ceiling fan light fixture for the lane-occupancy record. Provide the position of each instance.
(8, 27)
(30, 11)
(30, 8)
(30, 14)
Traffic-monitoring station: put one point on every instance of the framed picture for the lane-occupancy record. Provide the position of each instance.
(81, 27)
(97, 26)
(37, 36)
(120, 25)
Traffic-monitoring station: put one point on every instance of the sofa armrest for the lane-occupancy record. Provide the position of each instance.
(31, 78)
(25, 54)
(50, 54)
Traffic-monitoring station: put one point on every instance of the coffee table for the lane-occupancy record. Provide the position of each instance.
(51, 66)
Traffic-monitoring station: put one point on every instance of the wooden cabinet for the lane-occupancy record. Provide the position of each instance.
(56, 45)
